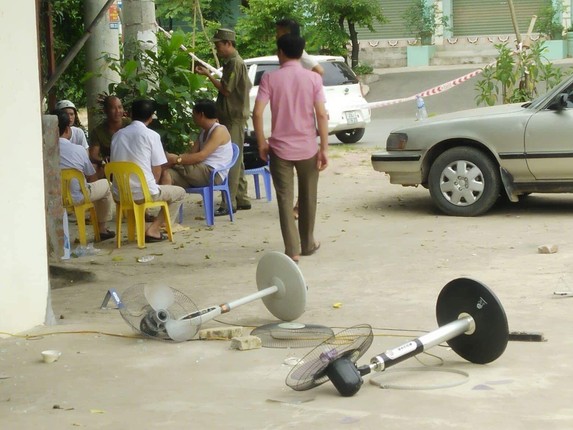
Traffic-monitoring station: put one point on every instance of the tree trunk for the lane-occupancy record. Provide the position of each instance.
(355, 46)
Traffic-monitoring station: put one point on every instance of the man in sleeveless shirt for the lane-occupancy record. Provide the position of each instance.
(212, 150)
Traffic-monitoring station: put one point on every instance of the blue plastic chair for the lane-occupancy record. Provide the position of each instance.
(266, 174)
(208, 192)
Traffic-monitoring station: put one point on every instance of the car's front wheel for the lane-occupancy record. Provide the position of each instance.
(350, 136)
(464, 182)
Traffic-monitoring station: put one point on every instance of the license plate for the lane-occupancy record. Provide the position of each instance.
(351, 117)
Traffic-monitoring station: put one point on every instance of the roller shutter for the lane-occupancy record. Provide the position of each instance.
(394, 28)
(485, 17)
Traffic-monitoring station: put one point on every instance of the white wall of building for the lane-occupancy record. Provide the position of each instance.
(23, 251)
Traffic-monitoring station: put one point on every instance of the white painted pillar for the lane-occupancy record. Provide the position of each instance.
(24, 283)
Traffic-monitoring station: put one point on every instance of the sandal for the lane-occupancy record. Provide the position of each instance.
(105, 235)
(313, 250)
(152, 239)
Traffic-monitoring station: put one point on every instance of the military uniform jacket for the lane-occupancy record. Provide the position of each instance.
(236, 81)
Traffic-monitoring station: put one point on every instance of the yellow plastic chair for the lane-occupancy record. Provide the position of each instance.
(121, 172)
(68, 176)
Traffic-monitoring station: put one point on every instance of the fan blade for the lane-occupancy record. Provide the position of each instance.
(180, 330)
(159, 297)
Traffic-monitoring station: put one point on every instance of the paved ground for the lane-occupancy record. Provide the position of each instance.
(386, 254)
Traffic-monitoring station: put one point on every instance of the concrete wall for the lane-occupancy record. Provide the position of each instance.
(24, 281)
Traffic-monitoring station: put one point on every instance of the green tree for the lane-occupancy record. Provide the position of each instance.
(345, 15)
(183, 11)
(256, 26)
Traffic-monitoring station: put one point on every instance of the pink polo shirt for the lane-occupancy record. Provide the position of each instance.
(292, 92)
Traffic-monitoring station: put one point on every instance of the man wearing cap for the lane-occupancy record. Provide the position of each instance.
(232, 111)
(78, 136)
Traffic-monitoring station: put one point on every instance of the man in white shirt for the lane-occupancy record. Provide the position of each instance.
(142, 146)
(75, 157)
(286, 26)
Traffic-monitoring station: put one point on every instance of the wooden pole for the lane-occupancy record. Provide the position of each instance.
(514, 21)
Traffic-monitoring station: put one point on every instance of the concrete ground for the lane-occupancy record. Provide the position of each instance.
(386, 254)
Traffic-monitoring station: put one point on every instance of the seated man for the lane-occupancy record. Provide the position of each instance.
(100, 136)
(212, 150)
(77, 134)
(142, 146)
(75, 157)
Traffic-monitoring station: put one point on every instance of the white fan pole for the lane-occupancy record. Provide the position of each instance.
(207, 314)
(250, 298)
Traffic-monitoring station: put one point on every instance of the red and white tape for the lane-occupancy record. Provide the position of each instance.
(430, 92)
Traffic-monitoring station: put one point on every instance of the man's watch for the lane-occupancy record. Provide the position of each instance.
(179, 159)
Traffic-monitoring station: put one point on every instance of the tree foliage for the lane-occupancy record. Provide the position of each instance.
(166, 77)
(517, 78)
(68, 28)
(328, 25)
(348, 14)
(256, 26)
(182, 10)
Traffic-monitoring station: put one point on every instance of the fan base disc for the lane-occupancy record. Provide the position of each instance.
(278, 270)
(491, 334)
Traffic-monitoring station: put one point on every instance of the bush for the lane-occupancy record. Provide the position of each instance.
(363, 69)
(517, 78)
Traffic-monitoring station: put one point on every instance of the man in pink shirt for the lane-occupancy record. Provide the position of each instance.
(297, 107)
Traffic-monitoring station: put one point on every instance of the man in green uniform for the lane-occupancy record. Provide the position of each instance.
(232, 110)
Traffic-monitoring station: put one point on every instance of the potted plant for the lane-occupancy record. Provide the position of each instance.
(549, 21)
(422, 18)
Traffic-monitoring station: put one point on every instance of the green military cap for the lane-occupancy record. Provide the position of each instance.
(224, 34)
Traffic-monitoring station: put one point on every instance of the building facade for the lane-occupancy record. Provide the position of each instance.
(474, 26)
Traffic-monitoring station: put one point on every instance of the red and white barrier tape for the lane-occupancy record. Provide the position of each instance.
(430, 92)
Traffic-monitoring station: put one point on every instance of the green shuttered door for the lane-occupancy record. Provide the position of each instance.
(394, 29)
(477, 17)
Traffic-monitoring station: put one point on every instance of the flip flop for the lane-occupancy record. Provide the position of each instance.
(105, 235)
(152, 239)
(313, 250)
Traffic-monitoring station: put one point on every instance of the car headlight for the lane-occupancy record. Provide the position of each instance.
(396, 141)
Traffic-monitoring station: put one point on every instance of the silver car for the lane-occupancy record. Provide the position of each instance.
(468, 158)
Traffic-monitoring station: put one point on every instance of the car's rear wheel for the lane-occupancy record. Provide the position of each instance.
(350, 136)
(464, 182)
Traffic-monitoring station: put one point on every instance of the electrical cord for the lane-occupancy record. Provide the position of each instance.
(375, 380)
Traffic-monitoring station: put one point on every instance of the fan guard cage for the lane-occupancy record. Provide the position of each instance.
(292, 335)
(310, 371)
(138, 313)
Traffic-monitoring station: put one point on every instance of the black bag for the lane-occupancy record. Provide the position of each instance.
(251, 157)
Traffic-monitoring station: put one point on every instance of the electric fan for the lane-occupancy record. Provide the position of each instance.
(473, 323)
(164, 313)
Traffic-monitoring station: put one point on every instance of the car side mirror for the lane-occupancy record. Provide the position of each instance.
(560, 102)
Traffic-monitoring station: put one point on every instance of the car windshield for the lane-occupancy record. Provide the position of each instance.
(337, 73)
(261, 69)
(564, 86)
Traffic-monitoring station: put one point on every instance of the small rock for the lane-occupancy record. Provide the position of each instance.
(547, 249)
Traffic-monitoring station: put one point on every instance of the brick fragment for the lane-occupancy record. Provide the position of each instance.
(244, 343)
(219, 333)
